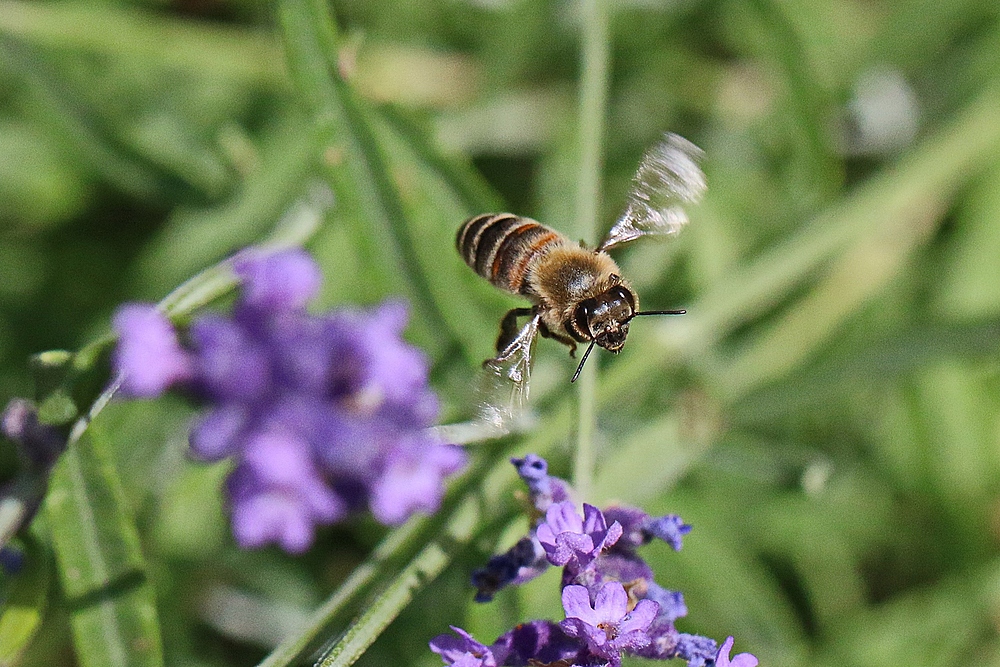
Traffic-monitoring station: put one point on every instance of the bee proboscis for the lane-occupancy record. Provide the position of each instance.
(578, 294)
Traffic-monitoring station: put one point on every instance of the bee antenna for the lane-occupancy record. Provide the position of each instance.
(583, 361)
(658, 312)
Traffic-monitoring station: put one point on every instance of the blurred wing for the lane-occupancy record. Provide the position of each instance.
(504, 390)
(668, 178)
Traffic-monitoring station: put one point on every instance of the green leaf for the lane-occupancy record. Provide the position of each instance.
(119, 628)
(95, 538)
(24, 602)
(466, 522)
(100, 561)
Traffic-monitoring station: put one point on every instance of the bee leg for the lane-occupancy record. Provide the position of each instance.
(508, 327)
(565, 340)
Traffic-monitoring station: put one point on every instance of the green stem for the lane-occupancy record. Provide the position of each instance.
(360, 579)
(593, 100)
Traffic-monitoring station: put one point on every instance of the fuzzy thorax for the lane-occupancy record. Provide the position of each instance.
(567, 275)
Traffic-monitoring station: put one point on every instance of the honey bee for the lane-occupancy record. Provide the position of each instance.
(578, 294)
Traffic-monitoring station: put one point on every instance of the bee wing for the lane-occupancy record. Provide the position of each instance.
(668, 178)
(504, 394)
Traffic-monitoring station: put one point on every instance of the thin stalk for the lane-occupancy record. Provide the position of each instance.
(593, 100)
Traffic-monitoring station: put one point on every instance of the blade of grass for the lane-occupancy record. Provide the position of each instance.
(810, 105)
(355, 164)
(100, 560)
(138, 34)
(904, 218)
(58, 108)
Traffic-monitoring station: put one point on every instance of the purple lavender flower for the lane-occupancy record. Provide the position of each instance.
(413, 478)
(325, 414)
(464, 650)
(542, 643)
(566, 537)
(277, 282)
(521, 563)
(741, 660)
(608, 627)
(544, 488)
(671, 603)
(148, 355)
(670, 528)
(697, 650)
(602, 564)
(278, 495)
(639, 528)
(39, 445)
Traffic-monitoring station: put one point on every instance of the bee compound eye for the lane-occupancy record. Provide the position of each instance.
(624, 295)
(581, 316)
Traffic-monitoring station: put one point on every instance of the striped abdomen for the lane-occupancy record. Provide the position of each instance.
(500, 247)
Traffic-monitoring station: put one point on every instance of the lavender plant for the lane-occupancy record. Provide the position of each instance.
(323, 415)
(613, 604)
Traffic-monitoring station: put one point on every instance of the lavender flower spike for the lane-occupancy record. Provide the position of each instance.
(741, 660)
(323, 414)
(608, 627)
(522, 562)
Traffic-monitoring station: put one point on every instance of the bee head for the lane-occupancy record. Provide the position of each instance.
(605, 317)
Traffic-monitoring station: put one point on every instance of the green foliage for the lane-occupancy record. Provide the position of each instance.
(825, 415)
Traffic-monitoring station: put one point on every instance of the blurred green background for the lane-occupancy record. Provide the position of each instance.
(826, 415)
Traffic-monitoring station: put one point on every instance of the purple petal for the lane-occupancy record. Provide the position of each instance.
(593, 520)
(741, 660)
(611, 538)
(562, 518)
(277, 281)
(469, 660)
(462, 651)
(611, 603)
(576, 603)
(272, 517)
(640, 617)
(231, 365)
(414, 480)
(148, 355)
(568, 547)
(670, 528)
(632, 520)
(216, 434)
(278, 496)
(375, 363)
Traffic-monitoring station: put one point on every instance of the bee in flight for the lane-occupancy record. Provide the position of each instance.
(578, 294)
